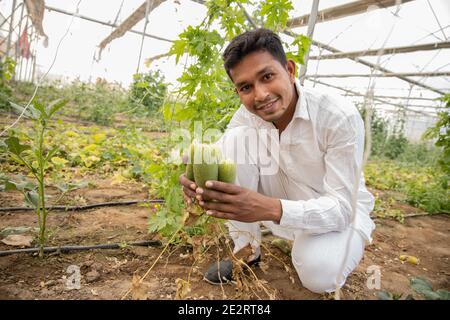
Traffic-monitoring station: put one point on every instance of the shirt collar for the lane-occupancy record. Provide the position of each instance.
(301, 108)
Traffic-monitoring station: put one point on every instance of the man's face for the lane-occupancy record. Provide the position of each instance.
(265, 86)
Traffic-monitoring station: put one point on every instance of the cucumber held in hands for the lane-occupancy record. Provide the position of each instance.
(206, 163)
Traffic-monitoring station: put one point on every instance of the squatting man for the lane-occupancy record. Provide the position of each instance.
(308, 199)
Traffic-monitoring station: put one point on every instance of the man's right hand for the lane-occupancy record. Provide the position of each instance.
(189, 188)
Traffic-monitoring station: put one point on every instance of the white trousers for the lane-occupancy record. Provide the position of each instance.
(317, 258)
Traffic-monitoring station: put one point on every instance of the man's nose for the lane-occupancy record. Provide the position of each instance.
(261, 93)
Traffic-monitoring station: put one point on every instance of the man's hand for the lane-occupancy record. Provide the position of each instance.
(188, 189)
(228, 201)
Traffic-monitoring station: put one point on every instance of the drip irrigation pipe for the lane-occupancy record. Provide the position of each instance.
(86, 207)
(67, 249)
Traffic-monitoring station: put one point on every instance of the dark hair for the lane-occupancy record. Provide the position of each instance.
(251, 41)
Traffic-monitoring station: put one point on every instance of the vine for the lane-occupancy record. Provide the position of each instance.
(206, 96)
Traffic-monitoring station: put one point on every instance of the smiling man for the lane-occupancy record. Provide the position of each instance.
(308, 199)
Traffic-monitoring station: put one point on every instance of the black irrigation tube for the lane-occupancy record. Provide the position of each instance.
(89, 206)
(67, 249)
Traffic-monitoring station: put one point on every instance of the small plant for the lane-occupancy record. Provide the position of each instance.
(35, 158)
(419, 285)
(7, 67)
(148, 91)
(386, 144)
(424, 287)
(441, 132)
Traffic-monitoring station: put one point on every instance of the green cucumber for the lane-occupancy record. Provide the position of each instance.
(227, 171)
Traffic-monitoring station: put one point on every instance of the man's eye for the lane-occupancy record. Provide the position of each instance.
(268, 76)
(244, 88)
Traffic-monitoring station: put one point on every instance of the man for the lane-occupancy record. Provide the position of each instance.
(308, 198)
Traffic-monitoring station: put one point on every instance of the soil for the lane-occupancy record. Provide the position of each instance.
(108, 274)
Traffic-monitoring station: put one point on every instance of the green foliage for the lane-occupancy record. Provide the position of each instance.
(148, 91)
(302, 44)
(206, 93)
(276, 13)
(441, 132)
(420, 153)
(35, 158)
(424, 187)
(419, 285)
(169, 217)
(100, 102)
(395, 145)
(7, 67)
(425, 288)
(121, 154)
(229, 15)
(385, 208)
(385, 144)
(386, 295)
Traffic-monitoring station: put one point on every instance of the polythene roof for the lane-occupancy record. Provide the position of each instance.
(407, 24)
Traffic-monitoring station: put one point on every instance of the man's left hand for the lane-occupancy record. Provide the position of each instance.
(229, 201)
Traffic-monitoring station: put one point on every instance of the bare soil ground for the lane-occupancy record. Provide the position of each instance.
(108, 274)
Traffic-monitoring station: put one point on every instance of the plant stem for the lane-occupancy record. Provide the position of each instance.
(42, 212)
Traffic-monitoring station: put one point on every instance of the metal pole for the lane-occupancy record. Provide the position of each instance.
(382, 75)
(8, 45)
(33, 56)
(143, 34)
(310, 32)
(21, 56)
(6, 38)
(377, 52)
(20, 32)
(28, 60)
(6, 20)
(33, 75)
(105, 23)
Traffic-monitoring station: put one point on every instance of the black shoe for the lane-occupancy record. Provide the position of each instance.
(222, 272)
(219, 272)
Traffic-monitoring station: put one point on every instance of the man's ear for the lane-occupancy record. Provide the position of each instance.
(291, 67)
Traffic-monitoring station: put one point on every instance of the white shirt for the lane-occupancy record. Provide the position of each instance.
(321, 150)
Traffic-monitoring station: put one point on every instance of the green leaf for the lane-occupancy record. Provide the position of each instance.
(302, 43)
(431, 295)
(59, 162)
(142, 85)
(9, 185)
(65, 187)
(444, 294)
(17, 230)
(22, 185)
(29, 113)
(41, 109)
(55, 106)
(420, 284)
(32, 199)
(167, 112)
(51, 153)
(15, 147)
(178, 48)
(424, 287)
(276, 13)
